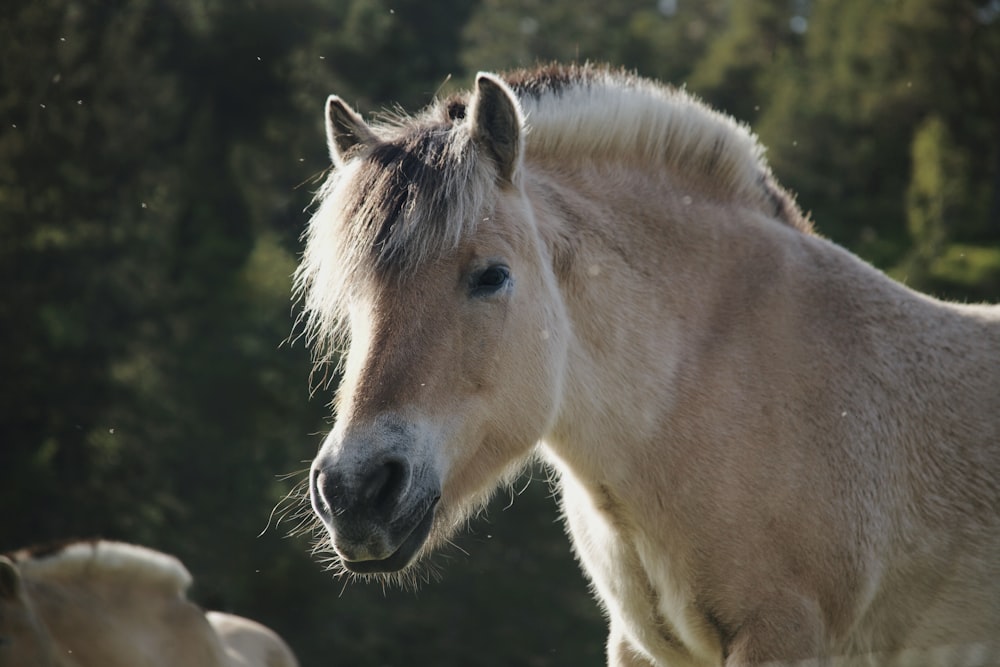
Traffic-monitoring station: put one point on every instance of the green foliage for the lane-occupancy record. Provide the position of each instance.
(660, 40)
(156, 166)
(757, 42)
(969, 272)
(937, 190)
(842, 117)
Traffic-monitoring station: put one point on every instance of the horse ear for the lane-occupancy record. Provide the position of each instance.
(345, 129)
(10, 579)
(497, 123)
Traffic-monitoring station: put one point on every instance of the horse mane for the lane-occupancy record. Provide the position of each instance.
(424, 186)
(596, 112)
(82, 560)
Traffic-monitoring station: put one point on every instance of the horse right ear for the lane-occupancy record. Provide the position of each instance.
(345, 129)
(10, 579)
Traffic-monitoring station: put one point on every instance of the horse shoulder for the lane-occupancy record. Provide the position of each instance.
(651, 618)
(176, 632)
(249, 643)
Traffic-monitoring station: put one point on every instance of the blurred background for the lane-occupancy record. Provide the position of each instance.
(157, 164)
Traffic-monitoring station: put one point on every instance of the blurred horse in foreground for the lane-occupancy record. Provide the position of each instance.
(767, 451)
(109, 604)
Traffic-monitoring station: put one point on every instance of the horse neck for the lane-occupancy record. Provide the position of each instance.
(651, 267)
(691, 314)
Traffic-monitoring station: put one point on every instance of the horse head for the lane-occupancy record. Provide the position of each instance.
(425, 256)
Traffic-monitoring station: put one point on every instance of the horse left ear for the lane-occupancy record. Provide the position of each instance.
(497, 123)
(10, 579)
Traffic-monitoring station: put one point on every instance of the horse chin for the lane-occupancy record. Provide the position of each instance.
(403, 556)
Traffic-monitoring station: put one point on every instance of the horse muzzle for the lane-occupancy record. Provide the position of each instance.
(378, 509)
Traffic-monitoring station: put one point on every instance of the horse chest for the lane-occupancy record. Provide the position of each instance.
(645, 598)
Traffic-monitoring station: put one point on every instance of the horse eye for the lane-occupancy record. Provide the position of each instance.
(490, 280)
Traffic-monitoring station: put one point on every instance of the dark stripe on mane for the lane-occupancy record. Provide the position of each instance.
(423, 185)
(552, 79)
(785, 208)
(545, 80)
(414, 169)
(395, 177)
(80, 561)
(405, 196)
(393, 173)
(47, 549)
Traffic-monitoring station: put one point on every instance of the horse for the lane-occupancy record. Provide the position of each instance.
(766, 451)
(248, 643)
(100, 603)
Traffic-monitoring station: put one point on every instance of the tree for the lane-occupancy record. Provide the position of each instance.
(397, 52)
(142, 287)
(662, 40)
(157, 163)
(80, 224)
(756, 44)
(936, 193)
(840, 120)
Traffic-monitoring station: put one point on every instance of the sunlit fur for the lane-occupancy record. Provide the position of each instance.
(247, 643)
(295, 517)
(433, 215)
(766, 450)
(122, 562)
(571, 113)
(58, 602)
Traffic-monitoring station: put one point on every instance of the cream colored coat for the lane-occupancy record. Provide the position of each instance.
(109, 604)
(768, 452)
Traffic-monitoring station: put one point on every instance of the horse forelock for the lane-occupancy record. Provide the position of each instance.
(414, 197)
(397, 204)
(83, 560)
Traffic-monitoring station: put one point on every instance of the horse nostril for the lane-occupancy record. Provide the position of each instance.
(384, 485)
(325, 493)
(374, 494)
